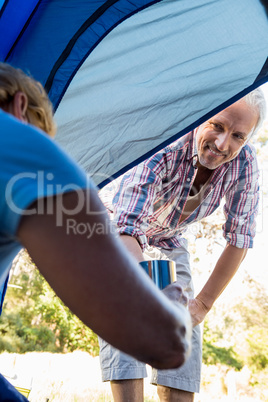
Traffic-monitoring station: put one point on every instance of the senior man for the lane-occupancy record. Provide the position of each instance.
(156, 201)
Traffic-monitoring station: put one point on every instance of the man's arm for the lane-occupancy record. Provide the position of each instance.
(222, 274)
(133, 246)
(103, 285)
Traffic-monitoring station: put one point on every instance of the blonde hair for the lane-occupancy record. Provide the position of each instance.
(39, 109)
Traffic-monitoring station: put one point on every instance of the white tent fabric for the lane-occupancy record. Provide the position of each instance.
(138, 89)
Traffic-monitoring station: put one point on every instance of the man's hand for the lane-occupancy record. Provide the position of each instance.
(198, 311)
(174, 292)
(223, 272)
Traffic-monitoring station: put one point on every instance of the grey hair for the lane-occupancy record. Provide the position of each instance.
(256, 99)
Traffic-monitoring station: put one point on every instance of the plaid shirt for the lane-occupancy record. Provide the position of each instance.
(148, 200)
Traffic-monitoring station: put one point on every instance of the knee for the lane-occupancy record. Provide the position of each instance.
(167, 394)
(163, 392)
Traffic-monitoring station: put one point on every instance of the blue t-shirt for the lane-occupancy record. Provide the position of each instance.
(32, 166)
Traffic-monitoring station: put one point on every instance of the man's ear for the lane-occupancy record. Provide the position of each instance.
(20, 104)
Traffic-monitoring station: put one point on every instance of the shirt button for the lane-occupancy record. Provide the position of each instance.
(188, 179)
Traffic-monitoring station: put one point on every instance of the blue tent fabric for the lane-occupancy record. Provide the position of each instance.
(165, 83)
(128, 77)
(14, 19)
(67, 31)
(8, 393)
(262, 77)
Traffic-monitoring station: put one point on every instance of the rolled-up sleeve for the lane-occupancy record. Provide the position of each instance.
(241, 206)
(134, 201)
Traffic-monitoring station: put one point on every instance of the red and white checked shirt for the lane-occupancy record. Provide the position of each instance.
(148, 200)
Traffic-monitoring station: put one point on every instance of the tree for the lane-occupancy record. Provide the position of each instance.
(35, 319)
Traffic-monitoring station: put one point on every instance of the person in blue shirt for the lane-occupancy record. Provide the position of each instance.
(49, 206)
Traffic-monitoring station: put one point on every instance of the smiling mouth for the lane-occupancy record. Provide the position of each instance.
(214, 152)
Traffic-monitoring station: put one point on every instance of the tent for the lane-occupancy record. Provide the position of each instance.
(127, 77)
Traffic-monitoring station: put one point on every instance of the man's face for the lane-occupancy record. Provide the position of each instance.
(220, 139)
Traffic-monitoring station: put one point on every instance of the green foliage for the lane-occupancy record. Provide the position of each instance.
(35, 319)
(237, 335)
(257, 339)
(17, 336)
(213, 354)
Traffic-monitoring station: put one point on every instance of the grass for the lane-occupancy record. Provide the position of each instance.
(76, 377)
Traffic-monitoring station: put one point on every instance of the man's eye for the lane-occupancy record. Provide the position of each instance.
(217, 126)
(239, 136)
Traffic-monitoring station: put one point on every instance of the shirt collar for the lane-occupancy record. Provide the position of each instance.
(192, 149)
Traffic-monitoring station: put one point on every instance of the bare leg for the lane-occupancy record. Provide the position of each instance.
(167, 394)
(127, 390)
